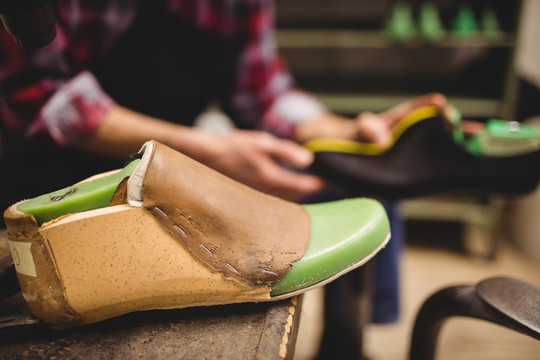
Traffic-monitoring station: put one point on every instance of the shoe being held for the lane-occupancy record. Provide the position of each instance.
(168, 232)
(434, 151)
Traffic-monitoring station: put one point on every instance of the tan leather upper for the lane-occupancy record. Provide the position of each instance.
(248, 236)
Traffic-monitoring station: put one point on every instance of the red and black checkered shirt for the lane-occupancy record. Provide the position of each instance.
(51, 89)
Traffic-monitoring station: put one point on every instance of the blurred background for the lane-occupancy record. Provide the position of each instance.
(371, 54)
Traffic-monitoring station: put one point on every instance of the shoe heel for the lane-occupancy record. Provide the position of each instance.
(103, 263)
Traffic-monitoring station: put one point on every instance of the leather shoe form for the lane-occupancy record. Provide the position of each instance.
(426, 158)
(168, 232)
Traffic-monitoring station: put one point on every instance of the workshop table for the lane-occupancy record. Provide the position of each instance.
(265, 330)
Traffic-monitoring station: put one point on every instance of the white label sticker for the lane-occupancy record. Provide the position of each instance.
(22, 257)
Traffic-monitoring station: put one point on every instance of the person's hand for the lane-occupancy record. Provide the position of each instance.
(256, 159)
(367, 126)
(376, 128)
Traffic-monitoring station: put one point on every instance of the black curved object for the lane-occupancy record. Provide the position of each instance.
(30, 22)
(425, 160)
(508, 302)
(8, 278)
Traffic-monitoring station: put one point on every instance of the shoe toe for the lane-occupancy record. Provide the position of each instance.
(344, 235)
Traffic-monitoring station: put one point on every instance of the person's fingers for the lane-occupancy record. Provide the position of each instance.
(372, 128)
(396, 113)
(258, 164)
(288, 184)
(289, 152)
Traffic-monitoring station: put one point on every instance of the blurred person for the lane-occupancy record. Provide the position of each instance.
(121, 72)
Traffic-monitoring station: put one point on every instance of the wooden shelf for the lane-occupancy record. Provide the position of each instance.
(354, 103)
(340, 38)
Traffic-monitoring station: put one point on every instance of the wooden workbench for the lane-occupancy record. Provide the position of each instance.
(239, 331)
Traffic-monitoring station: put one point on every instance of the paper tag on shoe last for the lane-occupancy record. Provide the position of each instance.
(22, 257)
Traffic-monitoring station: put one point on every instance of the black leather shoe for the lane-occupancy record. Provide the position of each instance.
(425, 158)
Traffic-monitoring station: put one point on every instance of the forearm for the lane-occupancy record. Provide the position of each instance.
(123, 131)
(326, 125)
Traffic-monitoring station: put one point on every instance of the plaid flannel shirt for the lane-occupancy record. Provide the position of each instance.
(50, 90)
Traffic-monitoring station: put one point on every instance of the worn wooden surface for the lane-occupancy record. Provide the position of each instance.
(262, 331)
(239, 331)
